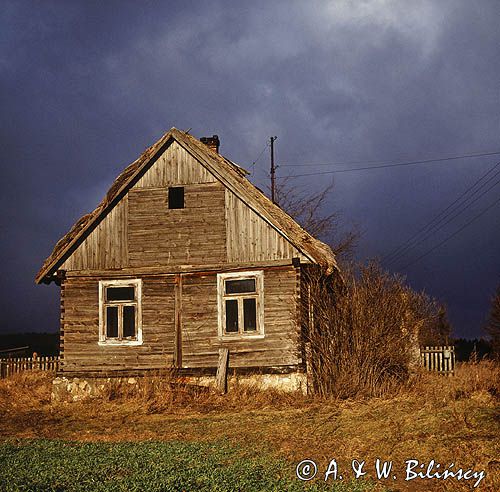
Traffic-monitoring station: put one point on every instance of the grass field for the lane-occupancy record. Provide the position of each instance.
(151, 466)
(160, 439)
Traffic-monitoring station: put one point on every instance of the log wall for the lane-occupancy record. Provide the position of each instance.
(200, 342)
(194, 235)
(200, 339)
(250, 238)
(214, 228)
(81, 329)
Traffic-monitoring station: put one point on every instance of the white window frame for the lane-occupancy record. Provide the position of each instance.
(103, 284)
(258, 275)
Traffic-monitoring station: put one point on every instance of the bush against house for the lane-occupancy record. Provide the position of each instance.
(362, 331)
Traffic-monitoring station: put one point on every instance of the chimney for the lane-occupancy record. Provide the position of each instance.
(212, 142)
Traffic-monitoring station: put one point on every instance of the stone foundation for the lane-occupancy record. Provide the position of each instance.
(294, 381)
(68, 389)
(78, 389)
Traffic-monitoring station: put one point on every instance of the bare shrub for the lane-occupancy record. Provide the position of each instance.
(437, 329)
(308, 209)
(362, 332)
(493, 325)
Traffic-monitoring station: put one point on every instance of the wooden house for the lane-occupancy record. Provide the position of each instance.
(182, 257)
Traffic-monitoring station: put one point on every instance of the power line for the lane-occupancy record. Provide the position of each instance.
(389, 164)
(263, 174)
(390, 161)
(432, 225)
(459, 213)
(452, 235)
(260, 155)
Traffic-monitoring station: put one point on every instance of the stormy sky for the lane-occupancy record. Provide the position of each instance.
(85, 87)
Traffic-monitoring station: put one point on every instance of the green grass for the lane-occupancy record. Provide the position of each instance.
(51, 465)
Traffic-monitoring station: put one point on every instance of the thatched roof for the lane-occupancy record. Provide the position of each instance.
(229, 173)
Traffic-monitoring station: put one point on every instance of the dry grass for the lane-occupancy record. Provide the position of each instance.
(470, 380)
(158, 394)
(449, 419)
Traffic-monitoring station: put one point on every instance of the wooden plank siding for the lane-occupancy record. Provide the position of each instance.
(140, 231)
(175, 167)
(142, 238)
(200, 342)
(194, 235)
(250, 238)
(81, 328)
(199, 332)
(106, 247)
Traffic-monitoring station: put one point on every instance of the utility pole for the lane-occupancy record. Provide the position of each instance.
(273, 172)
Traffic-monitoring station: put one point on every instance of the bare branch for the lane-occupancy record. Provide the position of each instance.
(308, 209)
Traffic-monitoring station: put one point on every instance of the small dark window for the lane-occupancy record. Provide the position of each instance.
(176, 197)
(240, 286)
(120, 293)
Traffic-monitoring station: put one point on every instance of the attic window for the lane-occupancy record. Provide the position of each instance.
(176, 197)
(120, 312)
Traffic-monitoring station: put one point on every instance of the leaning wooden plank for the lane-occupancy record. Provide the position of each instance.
(221, 377)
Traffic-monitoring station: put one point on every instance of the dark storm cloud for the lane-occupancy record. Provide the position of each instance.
(86, 86)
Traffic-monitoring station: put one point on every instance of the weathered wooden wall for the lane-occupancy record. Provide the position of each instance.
(194, 235)
(200, 342)
(250, 238)
(141, 232)
(215, 227)
(175, 166)
(81, 329)
(199, 328)
(106, 246)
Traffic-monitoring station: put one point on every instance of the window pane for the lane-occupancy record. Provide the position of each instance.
(250, 314)
(112, 321)
(231, 316)
(120, 293)
(128, 321)
(240, 286)
(176, 197)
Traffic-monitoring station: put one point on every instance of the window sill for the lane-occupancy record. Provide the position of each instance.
(240, 337)
(119, 343)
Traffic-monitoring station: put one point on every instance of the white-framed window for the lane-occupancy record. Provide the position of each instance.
(241, 304)
(120, 317)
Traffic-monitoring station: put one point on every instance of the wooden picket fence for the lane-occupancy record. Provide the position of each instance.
(13, 365)
(440, 359)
